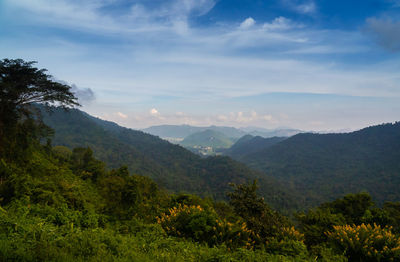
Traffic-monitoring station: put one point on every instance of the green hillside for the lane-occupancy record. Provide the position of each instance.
(326, 166)
(207, 138)
(249, 144)
(171, 166)
(173, 131)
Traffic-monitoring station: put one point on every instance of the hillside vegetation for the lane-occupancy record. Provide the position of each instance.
(326, 166)
(249, 144)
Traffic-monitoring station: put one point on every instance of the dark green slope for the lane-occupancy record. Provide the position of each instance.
(325, 166)
(172, 166)
(174, 131)
(249, 144)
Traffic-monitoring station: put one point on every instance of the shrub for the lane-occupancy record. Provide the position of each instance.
(366, 242)
(204, 225)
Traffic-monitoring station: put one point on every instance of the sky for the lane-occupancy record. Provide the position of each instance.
(306, 64)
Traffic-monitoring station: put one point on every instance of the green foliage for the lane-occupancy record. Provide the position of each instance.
(392, 211)
(24, 237)
(316, 222)
(249, 144)
(287, 247)
(351, 209)
(352, 206)
(260, 218)
(128, 196)
(325, 253)
(22, 85)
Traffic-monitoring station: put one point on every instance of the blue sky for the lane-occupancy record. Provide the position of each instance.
(308, 64)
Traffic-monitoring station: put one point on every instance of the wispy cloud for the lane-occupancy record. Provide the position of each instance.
(307, 7)
(121, 115)
(247, 23)
(169, 16)
(154, 112)
(280, 23)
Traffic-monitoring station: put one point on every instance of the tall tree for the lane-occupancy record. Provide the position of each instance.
(21, 85)
(259, 217)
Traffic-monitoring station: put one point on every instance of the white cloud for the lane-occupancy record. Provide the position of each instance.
(247, 23)
(247, 118)
(307, 7)
(122, 115)
(154, 112)
(279, 23)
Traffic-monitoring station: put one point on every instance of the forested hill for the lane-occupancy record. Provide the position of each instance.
(325, 166)
(172, 166)
(250, 144)
(209, 138)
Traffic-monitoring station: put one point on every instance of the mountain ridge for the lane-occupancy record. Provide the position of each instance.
(325, 166)
(182, 131)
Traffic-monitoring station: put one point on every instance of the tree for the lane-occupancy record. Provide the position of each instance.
(259, 217)
(21, 85)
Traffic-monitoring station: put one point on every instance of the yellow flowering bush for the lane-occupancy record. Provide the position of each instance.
(290, 233)
(366, 242)
(204, 225)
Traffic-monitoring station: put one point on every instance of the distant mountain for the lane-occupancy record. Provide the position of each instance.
(172, 166)
(207, 138)
(182, 131)
(172, 131)
(326, 166)
(267, 133)
(249, 144)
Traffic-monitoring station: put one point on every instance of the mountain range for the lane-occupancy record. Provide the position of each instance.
(293, 173)
(182, 131)
(171, 166)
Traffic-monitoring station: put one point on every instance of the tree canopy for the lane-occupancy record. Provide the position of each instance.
(21, 85)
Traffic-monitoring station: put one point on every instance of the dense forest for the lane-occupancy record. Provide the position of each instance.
(326, 166)
(249, 144)
(58, 204)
